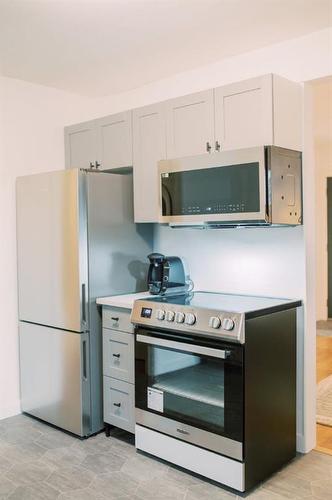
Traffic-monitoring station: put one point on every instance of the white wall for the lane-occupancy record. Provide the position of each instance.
(322, 95)
(31, 140)
(271, 261)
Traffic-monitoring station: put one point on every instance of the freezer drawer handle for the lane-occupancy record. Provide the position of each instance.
(117, 404)
(117, 355)
(84, 360)
(114, 319)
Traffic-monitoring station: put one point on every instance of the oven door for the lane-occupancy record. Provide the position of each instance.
(226, 188)
(190, 388)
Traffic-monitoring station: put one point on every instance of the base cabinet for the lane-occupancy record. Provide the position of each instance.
(119, 404)
(118, 369)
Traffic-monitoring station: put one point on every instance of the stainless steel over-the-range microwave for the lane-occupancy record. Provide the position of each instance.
(254, 186)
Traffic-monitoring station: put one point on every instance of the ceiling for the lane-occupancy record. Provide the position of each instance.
(98, 48)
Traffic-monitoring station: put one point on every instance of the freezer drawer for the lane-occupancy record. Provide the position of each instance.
(54, 376)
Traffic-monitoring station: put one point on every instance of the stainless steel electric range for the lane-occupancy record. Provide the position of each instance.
(215, 378)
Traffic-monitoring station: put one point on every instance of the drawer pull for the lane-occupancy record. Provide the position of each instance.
(117, 355)
(115, 319)
(117, 404)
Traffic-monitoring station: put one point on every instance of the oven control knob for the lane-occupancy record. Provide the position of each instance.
(170, 315)
(179, 317)
(228, 324)
(160, 314)
(190, 319)
(214, 322)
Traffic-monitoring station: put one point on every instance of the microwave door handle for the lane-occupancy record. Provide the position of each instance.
(181, 346)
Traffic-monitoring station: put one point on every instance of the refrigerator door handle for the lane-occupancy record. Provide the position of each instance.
(84, 303)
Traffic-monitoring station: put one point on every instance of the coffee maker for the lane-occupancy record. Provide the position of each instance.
(166, 275)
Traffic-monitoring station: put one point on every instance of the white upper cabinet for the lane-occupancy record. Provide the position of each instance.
(190, 124)
(81, 145)
(115, 144)
(149, 141)
(243, 113)
(105, 143)
(265, 110)
(259, 111)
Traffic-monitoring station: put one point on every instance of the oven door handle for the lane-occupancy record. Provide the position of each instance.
(181, 346)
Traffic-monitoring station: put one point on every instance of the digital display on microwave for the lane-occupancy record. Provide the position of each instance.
(217, 190)
(146, 312)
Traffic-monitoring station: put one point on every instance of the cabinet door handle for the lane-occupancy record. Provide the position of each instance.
(91, 164)
(218, 146)
(97, 164)
(117, 355)
(208, 147)
(114, 319)
(117, 404)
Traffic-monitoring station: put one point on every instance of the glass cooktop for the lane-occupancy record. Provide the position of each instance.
(223, 301)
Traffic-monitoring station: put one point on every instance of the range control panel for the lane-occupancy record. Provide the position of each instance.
(186, 319)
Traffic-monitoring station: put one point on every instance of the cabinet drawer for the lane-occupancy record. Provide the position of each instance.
(117, 319)
(118, 355)
(119, 404)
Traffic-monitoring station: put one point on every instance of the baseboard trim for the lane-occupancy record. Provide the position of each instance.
(11, 410)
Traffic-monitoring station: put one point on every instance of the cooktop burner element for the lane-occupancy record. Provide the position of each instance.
(206, 313)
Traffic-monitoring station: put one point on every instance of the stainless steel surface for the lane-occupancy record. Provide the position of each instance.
(216, 159)
(199, 437)
(53, 386)
(201, 326)
(181, 346)
(216, 314)
(76, 241)
(285, 190)
(280, 199)
(52, 251)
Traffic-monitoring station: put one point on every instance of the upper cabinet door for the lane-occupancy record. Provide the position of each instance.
(81, 145)
(149, 125)
(244, 114)
(115, 144)
(190, 124)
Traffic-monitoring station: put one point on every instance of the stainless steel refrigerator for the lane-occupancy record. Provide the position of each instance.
(76, 241)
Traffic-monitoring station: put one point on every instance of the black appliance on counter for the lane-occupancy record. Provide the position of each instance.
(166, 274)
(215, 379)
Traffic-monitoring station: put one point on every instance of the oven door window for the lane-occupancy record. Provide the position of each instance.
(199, 390)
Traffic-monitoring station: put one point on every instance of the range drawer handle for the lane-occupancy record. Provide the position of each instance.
(117, 404)
(115, 319)
(116, 355)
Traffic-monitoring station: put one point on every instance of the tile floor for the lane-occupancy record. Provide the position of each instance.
(38, 462)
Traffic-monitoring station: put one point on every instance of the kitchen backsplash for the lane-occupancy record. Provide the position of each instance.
(251, 261)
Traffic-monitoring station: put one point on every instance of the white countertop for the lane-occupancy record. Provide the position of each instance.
(123, 301)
